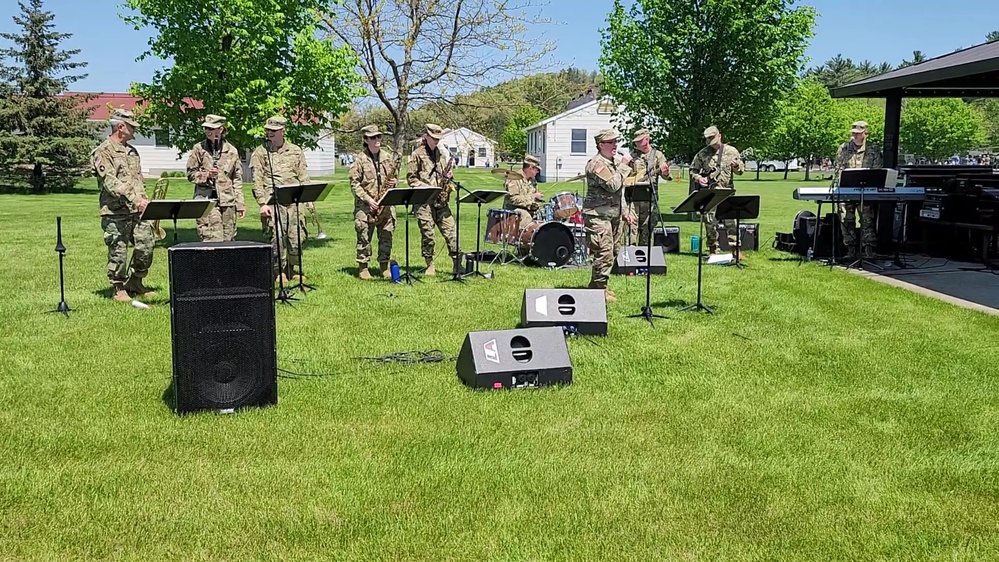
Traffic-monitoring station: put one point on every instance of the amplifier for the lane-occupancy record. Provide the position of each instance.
(668, 237)
(748, 237)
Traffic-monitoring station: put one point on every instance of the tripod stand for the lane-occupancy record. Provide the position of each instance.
(700, 202)
(283, 295)
(62, 307)
(405, 197)
(858, 240)
(287, 195)
(648, 192)
(479, 196)
(739, 207)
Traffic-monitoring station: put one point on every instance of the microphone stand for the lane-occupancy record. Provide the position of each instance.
(283, 295)
(647, 312)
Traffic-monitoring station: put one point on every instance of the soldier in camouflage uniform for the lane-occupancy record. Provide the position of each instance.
(521, 193)
(375, 171)
(602, 207)
(276, 163)
(122, 200)
(857, 153)
(216, 170)
(717, 162)
(429, 167)
(645, 158)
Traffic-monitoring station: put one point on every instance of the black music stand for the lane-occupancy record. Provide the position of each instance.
(293, 195)
(479, 196)
(739, 207)
(174, 209)
(700, 202)
(645, 192)
(404, 197)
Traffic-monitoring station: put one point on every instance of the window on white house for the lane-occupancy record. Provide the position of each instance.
(161, 137)
(578, 145)
(482, 152)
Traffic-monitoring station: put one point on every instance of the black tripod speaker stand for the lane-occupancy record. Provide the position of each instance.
(405, 197)
(287, 195)
(647, 192)
(479, 196)
(700, 202)
(739, 207)
(60, 249)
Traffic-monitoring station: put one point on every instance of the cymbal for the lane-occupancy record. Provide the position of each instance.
(498, 171)
(576, 178)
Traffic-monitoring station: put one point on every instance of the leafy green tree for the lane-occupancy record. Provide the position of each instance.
(811, 123)
(513, 143)
(246, 60)
(681, 65)
(992, 36)
(938, 128)
(989, 110)
(45, 138)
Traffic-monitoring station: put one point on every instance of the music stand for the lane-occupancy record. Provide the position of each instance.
(404, 197)
(739, 207)
(479, 196)
(286, 195)
(645, 192)
(174, 209)
(700, 202)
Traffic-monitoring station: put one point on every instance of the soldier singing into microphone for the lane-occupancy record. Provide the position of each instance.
(215, 169)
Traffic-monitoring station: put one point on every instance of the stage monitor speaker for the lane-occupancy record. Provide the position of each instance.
(636, 259)
(668, 238)
(222, 326)
(522, 358)
(748, 237)
(583, 311)
(829, 234)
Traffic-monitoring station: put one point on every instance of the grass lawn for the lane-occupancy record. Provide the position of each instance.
(816, 415)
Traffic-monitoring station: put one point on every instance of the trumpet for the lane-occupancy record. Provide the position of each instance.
(159, 192)
(319, 227)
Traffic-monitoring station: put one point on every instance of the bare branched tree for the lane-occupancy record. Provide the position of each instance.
(417, 51)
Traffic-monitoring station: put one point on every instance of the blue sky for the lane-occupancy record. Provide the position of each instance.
(878, 30)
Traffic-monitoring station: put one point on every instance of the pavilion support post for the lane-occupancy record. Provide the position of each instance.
(893, 122)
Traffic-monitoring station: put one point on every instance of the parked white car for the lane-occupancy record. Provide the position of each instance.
(772, 165)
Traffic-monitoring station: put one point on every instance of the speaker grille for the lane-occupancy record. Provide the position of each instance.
(220, 268)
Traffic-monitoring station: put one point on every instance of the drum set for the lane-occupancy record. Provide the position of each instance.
(555, 238)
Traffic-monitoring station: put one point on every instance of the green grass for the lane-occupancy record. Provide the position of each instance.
(816, 415)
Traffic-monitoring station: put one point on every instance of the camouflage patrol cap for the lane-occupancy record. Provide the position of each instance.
(531, 160)
(607, 135)
(275, 123)
(435, 131)
(124, 115)
(371, 131)
(213, 121)
(641, 134)
(859, 127)
(711, 132)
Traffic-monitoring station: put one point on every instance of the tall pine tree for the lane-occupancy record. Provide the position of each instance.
(45, 139)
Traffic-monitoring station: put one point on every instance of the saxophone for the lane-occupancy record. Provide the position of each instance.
(447, 187)
(159, 192)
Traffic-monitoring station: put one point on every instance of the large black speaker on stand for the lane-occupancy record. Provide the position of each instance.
(222, 326)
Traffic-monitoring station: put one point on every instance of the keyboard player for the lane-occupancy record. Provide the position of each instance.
(858, 152)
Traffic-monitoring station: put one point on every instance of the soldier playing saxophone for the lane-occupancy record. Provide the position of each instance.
(428, 167)
(374, 172)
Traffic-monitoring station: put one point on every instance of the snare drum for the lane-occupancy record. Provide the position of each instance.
(546, 242)
(503, 225)
(564, 205)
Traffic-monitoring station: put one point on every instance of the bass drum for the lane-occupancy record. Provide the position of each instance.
(547, 243)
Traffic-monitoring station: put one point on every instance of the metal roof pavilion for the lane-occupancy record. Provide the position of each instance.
(971, 72)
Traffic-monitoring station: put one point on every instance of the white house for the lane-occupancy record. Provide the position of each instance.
(564, 143)
(470, 148)
(158, 155)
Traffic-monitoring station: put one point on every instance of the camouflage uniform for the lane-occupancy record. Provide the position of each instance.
(428, 169)
(706, 163)
(602, 211)
(367, 176)
(850, 155)
(119, 177)
(288, 166)
(520, 194)
(642, 162)
(226, 189)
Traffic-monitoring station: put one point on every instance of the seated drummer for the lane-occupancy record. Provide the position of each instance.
(521, 194)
